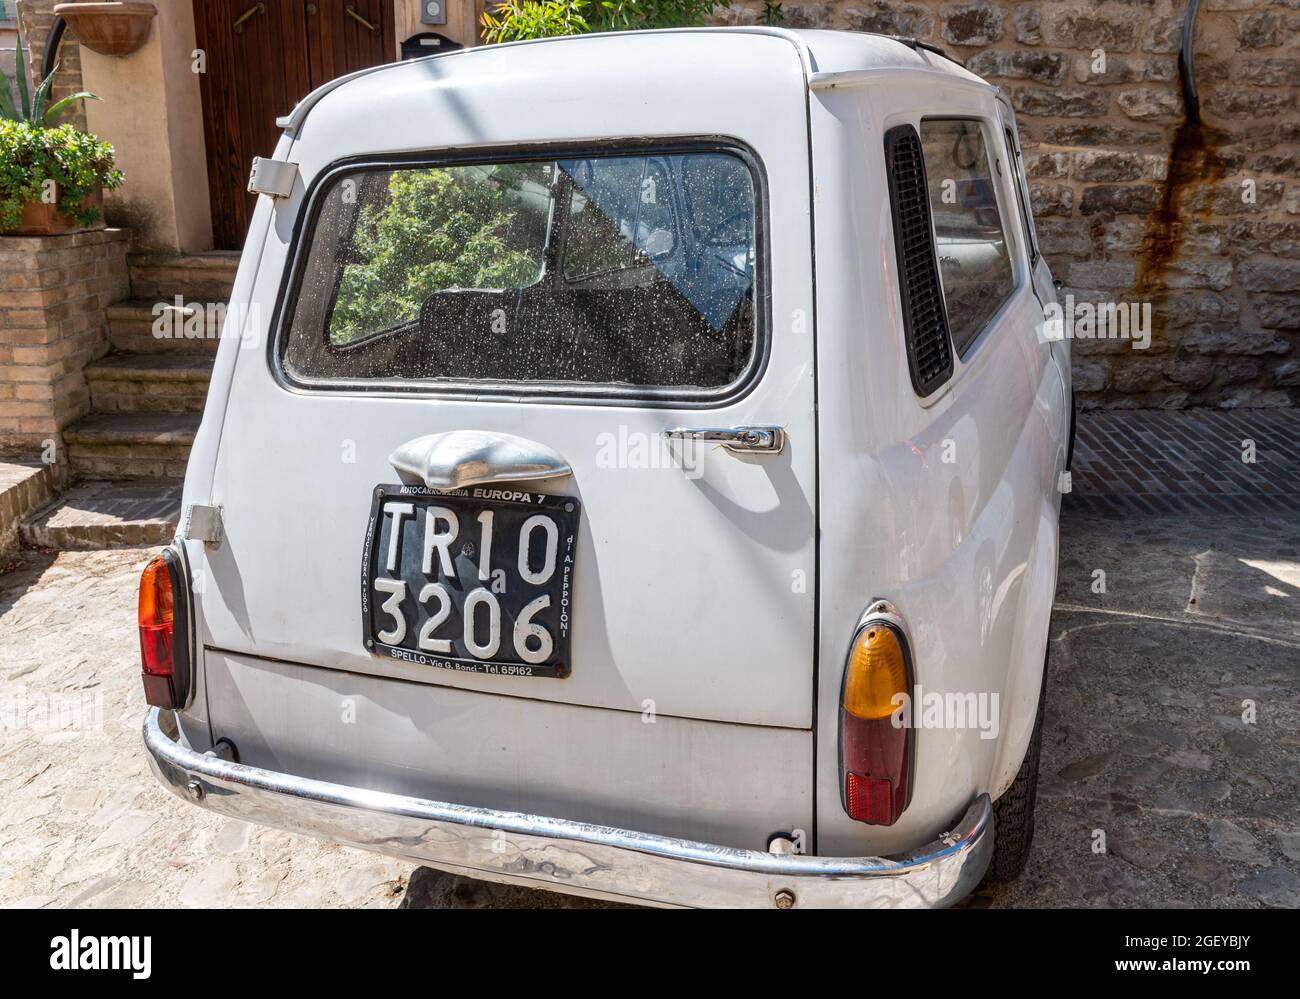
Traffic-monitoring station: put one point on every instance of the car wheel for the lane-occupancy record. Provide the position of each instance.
(1013, 813)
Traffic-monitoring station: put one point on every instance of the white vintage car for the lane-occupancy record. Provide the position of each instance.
(631, 469)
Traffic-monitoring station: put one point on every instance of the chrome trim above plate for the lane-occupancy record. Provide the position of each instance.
(456, 459)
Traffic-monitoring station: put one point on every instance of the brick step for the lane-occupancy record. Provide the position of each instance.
(149, 383)
(204, 276)
(131, 327)
(94, 515)
(24, 486)
(131, 445)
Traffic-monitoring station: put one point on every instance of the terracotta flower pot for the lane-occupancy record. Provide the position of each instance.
(113, 29)
(40, 219)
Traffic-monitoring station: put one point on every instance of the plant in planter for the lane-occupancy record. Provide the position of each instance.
(51, 178)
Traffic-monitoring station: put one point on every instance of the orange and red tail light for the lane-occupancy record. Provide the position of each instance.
(164, 631)
(876, 738)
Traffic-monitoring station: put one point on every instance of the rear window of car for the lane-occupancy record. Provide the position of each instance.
(627, 271)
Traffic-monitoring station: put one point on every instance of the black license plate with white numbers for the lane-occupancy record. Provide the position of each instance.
(477, 579)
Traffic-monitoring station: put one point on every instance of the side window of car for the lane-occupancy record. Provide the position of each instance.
(1022, 196)
(971, 244)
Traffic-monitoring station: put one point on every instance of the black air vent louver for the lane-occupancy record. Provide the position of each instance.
(925, 323)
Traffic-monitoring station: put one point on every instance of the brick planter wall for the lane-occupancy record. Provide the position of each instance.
(1134, 205)
(54, 291)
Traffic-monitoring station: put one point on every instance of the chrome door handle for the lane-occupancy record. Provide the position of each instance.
(741, 440)
(460, 458)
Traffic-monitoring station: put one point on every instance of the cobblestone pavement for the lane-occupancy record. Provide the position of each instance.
(82, 820)
(1199, 462)
(1159, 787)
(1144, 739)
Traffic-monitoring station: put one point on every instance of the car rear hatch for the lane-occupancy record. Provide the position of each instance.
(464, 553)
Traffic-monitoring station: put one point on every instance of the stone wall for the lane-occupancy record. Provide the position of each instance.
(53, 294)
(1133, 204)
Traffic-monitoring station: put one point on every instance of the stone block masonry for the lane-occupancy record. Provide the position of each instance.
(54, 291)
(1133, 203)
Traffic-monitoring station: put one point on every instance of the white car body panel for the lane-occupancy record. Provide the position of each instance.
(965, 549)
(506, 752)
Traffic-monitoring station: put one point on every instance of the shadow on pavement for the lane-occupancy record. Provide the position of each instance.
(430, 889)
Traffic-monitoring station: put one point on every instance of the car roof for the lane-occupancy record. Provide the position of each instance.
(828, 57)
(856, 51)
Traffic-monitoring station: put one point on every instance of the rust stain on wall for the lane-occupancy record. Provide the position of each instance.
(1194, 163)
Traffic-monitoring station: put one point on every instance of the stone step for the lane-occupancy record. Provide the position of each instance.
(93, 515)
(203, 276)
(134, 327)
(149, 383)
(131, 445)
(24, 486)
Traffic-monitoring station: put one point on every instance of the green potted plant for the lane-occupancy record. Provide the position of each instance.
(52, 177)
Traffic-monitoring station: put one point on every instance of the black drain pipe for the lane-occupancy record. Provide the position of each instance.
(1186, 71)
(52, 42)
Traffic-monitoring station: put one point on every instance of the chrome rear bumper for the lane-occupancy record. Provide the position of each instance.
(574, 857)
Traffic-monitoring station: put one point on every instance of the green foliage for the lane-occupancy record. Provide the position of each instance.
(517, 20)
(78, 164)
(438, 229)
(31, 108)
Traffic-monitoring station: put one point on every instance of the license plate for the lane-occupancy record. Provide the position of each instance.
(477, 579)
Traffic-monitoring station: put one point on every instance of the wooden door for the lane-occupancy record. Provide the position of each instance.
(348, 35)
(262, 57)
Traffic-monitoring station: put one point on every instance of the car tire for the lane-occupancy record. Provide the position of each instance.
(1069, 449)
(1013, 813)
